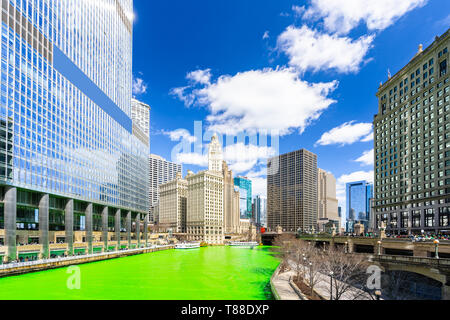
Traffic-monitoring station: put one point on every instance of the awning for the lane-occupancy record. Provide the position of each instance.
(57, 252)
(78, 250)
(112, 248)
(98, 249)
(28, 254)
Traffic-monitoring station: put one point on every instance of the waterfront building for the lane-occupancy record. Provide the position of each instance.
(358, 195)
(173, 204)
(292, 192)
(412, 144)
(327, 201)
(160, 171)
(72, 173)
(205, 207)
(244, 186)
(230, 202)
(260, 211)
(140, 114)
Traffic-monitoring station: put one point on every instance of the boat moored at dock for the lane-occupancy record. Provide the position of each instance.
(193, 245)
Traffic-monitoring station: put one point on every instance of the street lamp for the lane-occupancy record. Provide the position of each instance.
(378, 294)
(310, 277)
(436, 248)
(379, 248)
(331, 285)
(345, 246)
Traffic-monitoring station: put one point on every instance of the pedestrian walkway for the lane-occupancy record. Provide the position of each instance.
(284, 289)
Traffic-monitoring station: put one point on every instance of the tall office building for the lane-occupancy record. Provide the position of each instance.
(161, 171)
(359, 195)
(412, 144)
(70, 166)
(173, 205)
(328, 203)
(140, 113)
(292, 191)
(260, 211)
(244, 186)
(230, 202)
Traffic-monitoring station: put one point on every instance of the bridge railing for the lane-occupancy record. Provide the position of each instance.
(412, 260)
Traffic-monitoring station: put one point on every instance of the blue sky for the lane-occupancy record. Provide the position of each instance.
(308, 69)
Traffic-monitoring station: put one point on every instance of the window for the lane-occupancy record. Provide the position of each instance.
(443, 68)
(416, 217)
(444, 217)
(429, 218)
(405, 220)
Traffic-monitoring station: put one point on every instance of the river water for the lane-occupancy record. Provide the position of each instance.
(213, 273)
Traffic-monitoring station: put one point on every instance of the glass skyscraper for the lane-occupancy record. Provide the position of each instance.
(260, 211)
(244, 186)
(69, 161)
(359, 195)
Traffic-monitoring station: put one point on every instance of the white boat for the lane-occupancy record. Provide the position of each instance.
(193, 245)
(243, 244)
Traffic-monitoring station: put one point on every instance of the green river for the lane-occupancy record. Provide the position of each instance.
(214, 273)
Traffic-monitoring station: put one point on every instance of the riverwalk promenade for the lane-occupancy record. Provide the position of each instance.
(41, 265)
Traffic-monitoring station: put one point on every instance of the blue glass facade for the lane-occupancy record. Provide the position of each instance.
(358, 203)
(245, 196)
(65, 102)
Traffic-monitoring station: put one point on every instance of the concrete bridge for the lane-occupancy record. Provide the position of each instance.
(398, 255)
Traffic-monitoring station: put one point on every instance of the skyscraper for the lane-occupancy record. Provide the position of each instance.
(244, 186)
(161, 171)
(359, 195)
(260, 211)
(69, 160)
(328, 203)
(412, 144)
(292, 191)
(231, 211)
(173, 205)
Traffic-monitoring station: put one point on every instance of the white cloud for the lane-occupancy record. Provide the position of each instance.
(341, 16)
(243, 158)
(200, 76)
(266, 35)
(261, 100)
(309, 49)
(180, 134)
(347, 133)
(259, 186)
(139, 86)
(192, 158)
(180, 93)
(240, 158)
(298, 11)
(367, 158)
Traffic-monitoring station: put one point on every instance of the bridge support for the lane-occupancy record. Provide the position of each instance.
(446, 289)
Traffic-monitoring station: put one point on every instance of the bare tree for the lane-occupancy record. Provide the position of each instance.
(348, 272)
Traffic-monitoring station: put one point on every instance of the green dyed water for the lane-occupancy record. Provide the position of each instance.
(214, 273)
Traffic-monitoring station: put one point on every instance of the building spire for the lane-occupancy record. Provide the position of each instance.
(215, 155)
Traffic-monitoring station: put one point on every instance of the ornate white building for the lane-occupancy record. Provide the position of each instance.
(205, 207)
(215, 155)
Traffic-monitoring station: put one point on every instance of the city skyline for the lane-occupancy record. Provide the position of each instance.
(268, 43)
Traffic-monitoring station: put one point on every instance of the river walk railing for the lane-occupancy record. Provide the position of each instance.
(96, 255)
